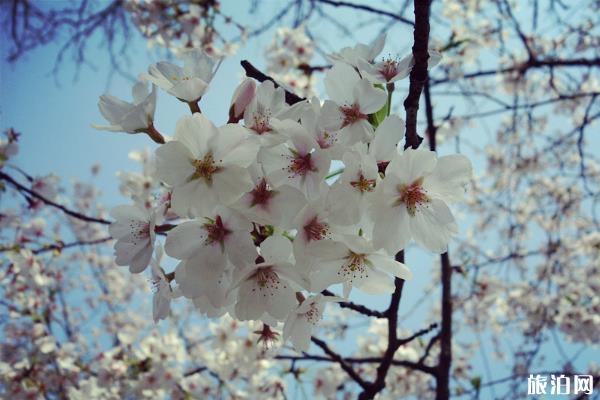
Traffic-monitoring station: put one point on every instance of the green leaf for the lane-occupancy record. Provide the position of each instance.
(377, 118)
(476, 382)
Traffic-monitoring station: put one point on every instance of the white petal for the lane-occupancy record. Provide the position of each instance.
(391, 266)
(448, 178)
(433, 226)
(387, 137)
(185, 239)
(174, 163)
(276, 248)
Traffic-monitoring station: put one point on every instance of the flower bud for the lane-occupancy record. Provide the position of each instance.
(242, 96)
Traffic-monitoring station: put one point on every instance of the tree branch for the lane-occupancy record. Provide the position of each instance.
(340, 360)
(368, 9)
(38, 196)
(253, 72)
(418, 74)
(356, 307)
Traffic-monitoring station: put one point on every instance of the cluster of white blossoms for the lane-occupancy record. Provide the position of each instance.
(179, 25)
(288, 60)
(259, 225)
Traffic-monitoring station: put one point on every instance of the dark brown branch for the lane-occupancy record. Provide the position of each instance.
(522, 68)
(341, 361)
(418, 75)
(51, 203)
(443, 378)
(253, 72)
(61, 246)
(356, 307)
(367, 360)
(445, 335)
(372, 10)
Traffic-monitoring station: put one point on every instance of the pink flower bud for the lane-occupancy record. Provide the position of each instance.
(242, 96)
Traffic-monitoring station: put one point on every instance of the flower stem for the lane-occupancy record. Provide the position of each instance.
(194, 107)
(154, 134)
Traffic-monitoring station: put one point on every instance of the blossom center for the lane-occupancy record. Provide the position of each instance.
(205, 168)
(389, 69)
(262, 194)
(363, 184)
(267, 280)
(315, 229)
(301, 164)
(261, 120)
(216, 232)
(313, 315)
(355, 266)
(352, 114)
(140, 230)
(326, 140)
(412, 195)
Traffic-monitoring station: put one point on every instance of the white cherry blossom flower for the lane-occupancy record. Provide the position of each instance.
(412, 201)
(134, 232)
(352, 100)
(266, 205)
(312, 224)
(163, 293)
(129, 117)
(327, 140)
(352, 55)
(222, 236)
(352, 260)
(208, 288)
(299, 324)
(265, 112)
(300, 162)
(268, 287)
(390, 70)
(189, 83)
(205, 166)
(350, 194)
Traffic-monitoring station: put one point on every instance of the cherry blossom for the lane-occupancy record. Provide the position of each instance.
(189, 83)
(129, 117)
(353, 261)
(352, 55)
(352, 100)
(134, 232)
(205, 165)
(299, 324)
(412, 201)
(212, 240)
(300, 162)
(269, 286)
(263, 115)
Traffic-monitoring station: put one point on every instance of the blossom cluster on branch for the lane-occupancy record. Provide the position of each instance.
(259, 225)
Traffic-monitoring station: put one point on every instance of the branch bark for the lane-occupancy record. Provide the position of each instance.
(253, 72)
